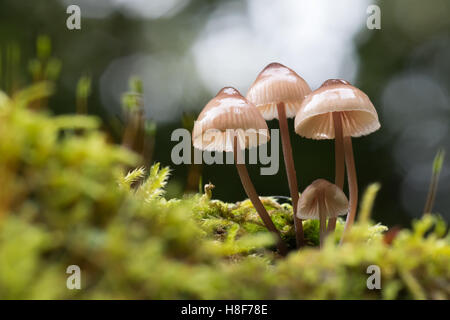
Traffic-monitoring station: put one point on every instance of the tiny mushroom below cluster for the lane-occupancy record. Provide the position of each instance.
(322, 200)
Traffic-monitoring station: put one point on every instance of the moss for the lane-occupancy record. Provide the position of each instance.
(66, 200)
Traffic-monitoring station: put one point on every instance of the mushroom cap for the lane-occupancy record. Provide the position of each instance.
(277, 83)
(322, 195)
(315, 120)
(227, 115)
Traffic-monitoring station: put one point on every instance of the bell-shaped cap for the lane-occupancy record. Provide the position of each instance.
(322, 197)
(228, 115)
(315, 119)
(278, 83)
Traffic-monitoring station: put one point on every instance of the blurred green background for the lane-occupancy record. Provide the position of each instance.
(186, 50)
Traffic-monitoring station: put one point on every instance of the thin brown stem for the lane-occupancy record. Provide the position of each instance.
(290, 171)
(352, 185)
(253, 196)
(322, 222)
(339, 160)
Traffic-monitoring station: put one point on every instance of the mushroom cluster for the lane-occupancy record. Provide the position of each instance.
(336, 110)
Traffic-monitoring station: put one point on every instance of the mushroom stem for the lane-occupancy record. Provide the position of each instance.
(290, 171)
(323, 222)
(253, 196)
(339, 160)
(352, 185)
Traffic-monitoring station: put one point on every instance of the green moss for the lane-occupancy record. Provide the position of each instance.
(66, 200)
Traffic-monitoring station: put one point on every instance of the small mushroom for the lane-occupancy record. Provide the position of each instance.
(223, 125)
(338, 109)
(322, 200)
(278, 93)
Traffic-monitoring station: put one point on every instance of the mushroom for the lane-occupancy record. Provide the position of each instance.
(230, 123)
(278, 93)
(322, 200)
(338, 109)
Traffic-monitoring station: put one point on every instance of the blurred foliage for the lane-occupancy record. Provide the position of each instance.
(44, 67)
(139, 132)
(66, 200)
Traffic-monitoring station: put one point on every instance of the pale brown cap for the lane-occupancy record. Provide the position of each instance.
(315, 120)
(226, 115)
(275, 84)
(322, 195)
